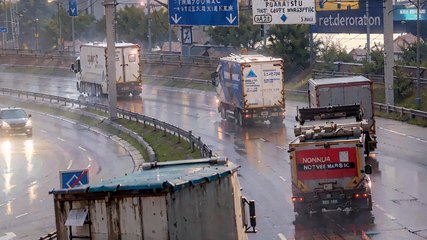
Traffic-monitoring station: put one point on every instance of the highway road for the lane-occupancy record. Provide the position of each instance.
(400, 174)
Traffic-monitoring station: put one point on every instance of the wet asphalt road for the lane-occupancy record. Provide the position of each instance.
(399, 190)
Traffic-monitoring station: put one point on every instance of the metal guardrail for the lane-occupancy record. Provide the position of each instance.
(373, 77)
(195, 142)
(379, 106)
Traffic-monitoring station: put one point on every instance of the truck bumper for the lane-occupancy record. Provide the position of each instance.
(354, 200)
(129, 87)
(266, 113)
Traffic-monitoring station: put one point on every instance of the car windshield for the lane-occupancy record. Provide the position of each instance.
(12, 113)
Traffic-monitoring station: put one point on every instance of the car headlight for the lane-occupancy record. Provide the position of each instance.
(4, 124)
(28, 123)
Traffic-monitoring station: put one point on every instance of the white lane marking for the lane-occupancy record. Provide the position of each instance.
(32, 184)
(8, 236)
(283, 179)
(89, 165)
(379, 207)
(24, 214)
(81, 148)
(281, 236)
(390, 216)
(43, 131)
(60, 139)
(69, 164)
(403, 134)
(279, 147)
(262, 139)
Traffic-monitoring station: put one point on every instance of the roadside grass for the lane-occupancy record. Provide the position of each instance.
(166, 146)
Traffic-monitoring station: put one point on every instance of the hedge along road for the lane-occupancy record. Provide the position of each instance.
(398, 189)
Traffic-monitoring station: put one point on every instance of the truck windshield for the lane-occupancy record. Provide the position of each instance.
(13, 113)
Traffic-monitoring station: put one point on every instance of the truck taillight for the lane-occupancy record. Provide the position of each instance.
(297, 199)
(361, 195)
(248, 116)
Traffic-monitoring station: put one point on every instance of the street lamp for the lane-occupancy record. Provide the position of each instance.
(59, 22)
(36, 32)
(418, 97)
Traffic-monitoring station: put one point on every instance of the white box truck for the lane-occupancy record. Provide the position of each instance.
(91, 69)
(325, 92)
(249, 88)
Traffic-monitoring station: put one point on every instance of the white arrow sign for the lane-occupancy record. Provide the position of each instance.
(231, 18)
(176, 19)
(72, 10)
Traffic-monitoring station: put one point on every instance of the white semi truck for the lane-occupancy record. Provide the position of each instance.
(249, 88)
(91, 69)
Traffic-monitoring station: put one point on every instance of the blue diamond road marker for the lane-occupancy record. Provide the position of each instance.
(284, 18)
(70, 179)
(204, 12)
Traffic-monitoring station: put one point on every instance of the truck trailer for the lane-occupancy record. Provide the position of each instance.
(250, 88)
(328, 167)
(325, 92)
(91, 69)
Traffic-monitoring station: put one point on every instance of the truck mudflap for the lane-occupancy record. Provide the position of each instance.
(129, 87)
(273, 113)
(349, 200)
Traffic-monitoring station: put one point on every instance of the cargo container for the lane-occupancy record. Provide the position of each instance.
(344, 91)
(250, 88)
(91, 69)
(188, 199)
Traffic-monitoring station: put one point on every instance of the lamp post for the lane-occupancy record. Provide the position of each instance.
(36, 33)
(418, 97)
(58, 4)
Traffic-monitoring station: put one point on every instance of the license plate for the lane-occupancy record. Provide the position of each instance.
(264, 113)
(327, 202)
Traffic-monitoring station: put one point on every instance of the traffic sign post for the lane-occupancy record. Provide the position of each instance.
(283, 12)
(204, 12)
(70, 179)
(186, 35)
(3, 29)
(72, 8)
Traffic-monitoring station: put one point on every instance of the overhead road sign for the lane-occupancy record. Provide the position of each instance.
(408, 13)
(72, 8)
(3, 29)
(283, 12)
(346, 18)
(204, 12)
(73, 178)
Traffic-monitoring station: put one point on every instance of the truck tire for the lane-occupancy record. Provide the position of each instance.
(223, 112)
(237, 117)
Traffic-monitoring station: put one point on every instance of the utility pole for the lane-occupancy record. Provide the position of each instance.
(418, 97)
(111, 63)
(149, 25)
(6, 23)
(72, 36)
(368, 34)
(388, 52)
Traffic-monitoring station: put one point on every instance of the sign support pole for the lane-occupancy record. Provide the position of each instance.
(368, 34)
(388, 52)
(111, 63)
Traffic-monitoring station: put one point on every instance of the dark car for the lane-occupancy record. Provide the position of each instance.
(15, 121)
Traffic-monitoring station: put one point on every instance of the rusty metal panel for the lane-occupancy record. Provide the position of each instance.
(98, 216)
(154, 218)
(130, 218)
(211, 202)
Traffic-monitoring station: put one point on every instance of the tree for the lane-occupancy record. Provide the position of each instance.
(376, 66)
(409, 55)
(290, 42)
(330, 52)
(244, 36)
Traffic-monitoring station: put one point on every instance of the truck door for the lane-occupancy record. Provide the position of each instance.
(131, 64)
(272, 84)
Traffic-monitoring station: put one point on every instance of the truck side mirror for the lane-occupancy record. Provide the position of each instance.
(72, 66)
(368, 169)
(214, 76)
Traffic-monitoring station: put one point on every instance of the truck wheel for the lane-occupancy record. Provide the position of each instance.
(239, 118)
(223, 112)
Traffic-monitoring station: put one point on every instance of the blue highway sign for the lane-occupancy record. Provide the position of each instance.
(3, 29)
(72, 8)
(204, 12)
(70, 179)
